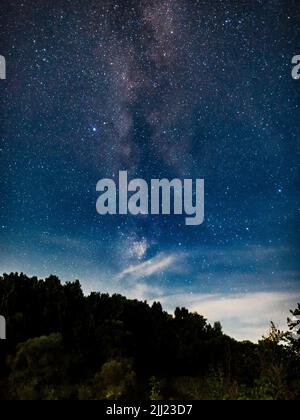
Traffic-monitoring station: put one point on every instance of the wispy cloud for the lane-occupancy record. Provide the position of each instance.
(157, 265)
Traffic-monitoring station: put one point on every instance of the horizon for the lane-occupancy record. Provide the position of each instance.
(237, 327)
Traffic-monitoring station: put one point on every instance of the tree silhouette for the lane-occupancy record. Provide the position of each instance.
(64, 345)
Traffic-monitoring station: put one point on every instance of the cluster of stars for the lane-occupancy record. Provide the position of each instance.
(163, 88)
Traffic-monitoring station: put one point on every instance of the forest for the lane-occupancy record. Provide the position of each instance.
(63, 345)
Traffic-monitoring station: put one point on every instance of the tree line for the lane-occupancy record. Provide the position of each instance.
(63, 345)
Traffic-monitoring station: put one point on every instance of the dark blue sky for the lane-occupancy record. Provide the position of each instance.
(168, 88)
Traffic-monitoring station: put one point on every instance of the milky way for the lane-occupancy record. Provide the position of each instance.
(161, 89)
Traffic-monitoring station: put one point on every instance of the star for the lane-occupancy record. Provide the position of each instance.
(174, 89)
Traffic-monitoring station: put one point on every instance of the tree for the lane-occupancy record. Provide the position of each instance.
(66, 338)
(272, 383)
(38, 369)
(156, 389)
(294, 327)
(116, 381)
(275, 336)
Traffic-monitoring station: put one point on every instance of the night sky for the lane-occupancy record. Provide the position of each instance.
(162, 89)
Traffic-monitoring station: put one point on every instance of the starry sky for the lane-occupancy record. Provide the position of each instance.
(162, 89)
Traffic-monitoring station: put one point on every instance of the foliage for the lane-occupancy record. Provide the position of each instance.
(38, 369)
(63, 345)
(156, 393)
(116, 381)
(294, 328)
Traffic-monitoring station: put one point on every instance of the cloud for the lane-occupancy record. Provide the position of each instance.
(243, 316)
(143, 291)
(157, 265)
